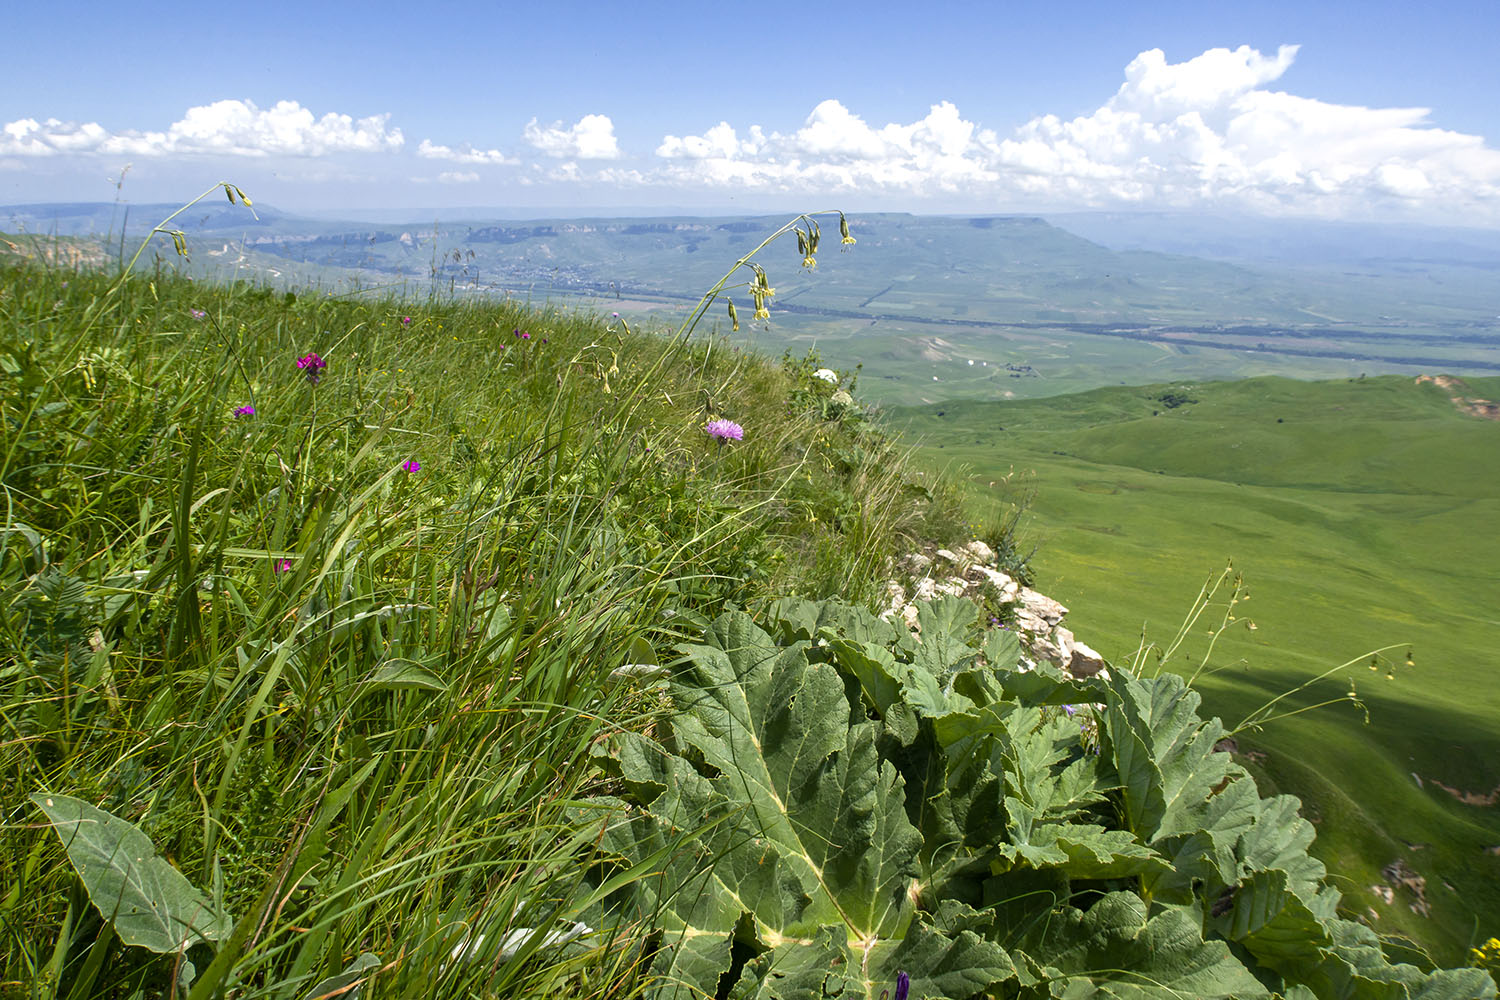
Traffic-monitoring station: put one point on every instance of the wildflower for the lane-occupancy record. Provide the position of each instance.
(827, 375)
(614, 315)
(847, 240)
(197, 313)
(903, 984)
(284, 566)
(406, 321)
(1070, 710)
(411, 465)
(312, 364)
(525, 336)
(724, 430)
(734, 317)
(244, 411)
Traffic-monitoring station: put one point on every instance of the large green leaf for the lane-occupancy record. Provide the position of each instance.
(834, 802)
(148, 901)
(776, 728)
(782, 863)
(1115, 946)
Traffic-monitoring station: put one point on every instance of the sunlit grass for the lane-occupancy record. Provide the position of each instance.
(338, 637)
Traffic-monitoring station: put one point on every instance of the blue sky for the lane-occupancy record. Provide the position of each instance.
(1370, 110)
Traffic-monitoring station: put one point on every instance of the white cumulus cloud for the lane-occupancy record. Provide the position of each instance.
(1209, 131)
(229, 127)
(837, 150)
(450, 177)
(464, 154)
(591, 138)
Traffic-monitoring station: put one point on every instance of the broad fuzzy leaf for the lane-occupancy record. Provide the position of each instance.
(148, 901)
(1114, 944)
(788, 847)
(776, 728)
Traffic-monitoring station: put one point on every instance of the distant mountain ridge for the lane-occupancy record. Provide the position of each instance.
(1264, 297)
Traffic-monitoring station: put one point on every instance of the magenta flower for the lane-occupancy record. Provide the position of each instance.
(724, 430)
(406, 321)
(284, 566)
(244, 411)
(614, 315)
(197, 313)
(525, 336)
(411, 465)
(312, 364)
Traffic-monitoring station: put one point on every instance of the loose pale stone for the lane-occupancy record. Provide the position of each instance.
(1047, 648)
(979, 551)
(954, 586)
(1002, 582)
(1086, 662)
(1042, 606)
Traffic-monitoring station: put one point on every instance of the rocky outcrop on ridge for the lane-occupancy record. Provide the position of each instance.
(972, 571)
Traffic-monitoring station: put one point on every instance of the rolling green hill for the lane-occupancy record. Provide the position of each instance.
(1361, 513)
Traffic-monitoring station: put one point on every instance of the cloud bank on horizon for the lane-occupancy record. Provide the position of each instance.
(1207, 133)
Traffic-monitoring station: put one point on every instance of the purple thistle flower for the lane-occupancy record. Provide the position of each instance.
(614, 315)
(244, 411)
(406, 321)
(411, 465)
(197, 313)
(724, 430)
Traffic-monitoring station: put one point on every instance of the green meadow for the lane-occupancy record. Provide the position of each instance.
(1361, 514)
(322, 598)
(355, 645)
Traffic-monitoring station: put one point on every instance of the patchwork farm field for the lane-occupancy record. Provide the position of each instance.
(1360, 514)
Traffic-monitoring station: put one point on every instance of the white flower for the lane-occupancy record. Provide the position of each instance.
(827, 375)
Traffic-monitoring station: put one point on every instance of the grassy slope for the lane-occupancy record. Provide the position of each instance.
(230, 629)
(1364, 517)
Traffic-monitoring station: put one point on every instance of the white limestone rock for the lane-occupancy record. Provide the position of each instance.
(954, 586)
(1086, 662)
(1041, 606)
(979, 551)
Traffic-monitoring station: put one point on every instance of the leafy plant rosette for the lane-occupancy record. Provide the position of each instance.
(833, 802)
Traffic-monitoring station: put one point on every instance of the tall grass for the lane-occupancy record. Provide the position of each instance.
(345, 658)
